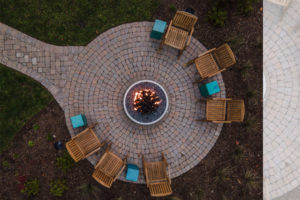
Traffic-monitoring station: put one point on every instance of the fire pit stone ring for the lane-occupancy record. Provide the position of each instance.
(145, 118)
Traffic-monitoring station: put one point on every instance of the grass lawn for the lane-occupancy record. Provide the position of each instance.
(72, 22)
(20, 99)
(60, 22)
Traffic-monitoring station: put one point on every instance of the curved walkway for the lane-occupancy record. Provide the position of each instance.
(93, 79)
(281, 99)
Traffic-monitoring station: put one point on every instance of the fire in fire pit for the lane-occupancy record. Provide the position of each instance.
(146, 101)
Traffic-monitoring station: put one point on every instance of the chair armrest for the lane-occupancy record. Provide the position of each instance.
(224, 122)
(169, 179)
(99, 162)
(216, 73)
(190, 37)
(207, 52)
(168, 30)
(121, 170)
(92, 152)
(221, 98)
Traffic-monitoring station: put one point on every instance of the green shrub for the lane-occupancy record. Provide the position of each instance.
(89, 188)
(36, 127)
(172, 8)
(223, 175)
(31, 187)
(49, 137)
(65, 162)
(252, 181)
(244, 70)
(245, 6)
(217, 17)
(251, 93)
(238, 154)
(57, 187)
(16, 156)
(5, 164)
(30, 143)
(250, 124)
(235, 42)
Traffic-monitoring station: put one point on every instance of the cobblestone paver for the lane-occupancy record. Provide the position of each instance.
(46, 63)
(93, 81)
(281, 99)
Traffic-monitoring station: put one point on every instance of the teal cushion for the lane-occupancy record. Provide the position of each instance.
(78, 121)
(158, 29)
(212, 88)
(209, 89)
(132, 173)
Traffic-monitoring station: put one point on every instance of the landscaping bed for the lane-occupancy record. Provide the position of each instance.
(231, 170)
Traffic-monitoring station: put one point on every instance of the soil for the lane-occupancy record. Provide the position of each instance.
(244, 34)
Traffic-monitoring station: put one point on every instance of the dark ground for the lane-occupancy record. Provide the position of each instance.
(220, 176)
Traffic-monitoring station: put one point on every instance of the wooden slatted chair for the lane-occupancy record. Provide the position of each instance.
(213, 61)
(157, 178)
(83, 144)
(108, 168)
(217, 108)
(180, 31)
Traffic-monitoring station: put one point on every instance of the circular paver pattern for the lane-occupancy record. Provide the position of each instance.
(109, 65)
(281, 99)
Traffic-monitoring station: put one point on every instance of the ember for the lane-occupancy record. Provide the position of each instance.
(146, 101)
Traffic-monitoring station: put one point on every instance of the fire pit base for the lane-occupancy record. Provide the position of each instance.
(158, 107)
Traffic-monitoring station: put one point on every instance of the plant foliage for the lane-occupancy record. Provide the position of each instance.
(31, 187)
(57, 187)
(65, 162)
(217, 17)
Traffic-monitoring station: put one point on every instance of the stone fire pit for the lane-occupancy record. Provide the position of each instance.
(145, 102)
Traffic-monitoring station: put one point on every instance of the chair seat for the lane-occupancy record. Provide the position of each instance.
(206, 65)
(74, 150)
(176, 38)
(236, 110)
(156, 171)
(111, 164)
(215, 110)
(160, 189)
(102, 178)
(88, 142)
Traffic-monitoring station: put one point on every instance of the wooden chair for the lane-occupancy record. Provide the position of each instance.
(157, 178)
(213, 61)
(83, 144)
(108, 168)
(179, 32)
(216, 110)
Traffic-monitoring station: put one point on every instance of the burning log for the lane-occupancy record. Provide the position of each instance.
(146, 101)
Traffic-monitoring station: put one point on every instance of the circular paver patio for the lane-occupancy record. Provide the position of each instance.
(281, 100)
(109, 65)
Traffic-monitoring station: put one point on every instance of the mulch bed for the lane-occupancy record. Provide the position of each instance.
(199, 183)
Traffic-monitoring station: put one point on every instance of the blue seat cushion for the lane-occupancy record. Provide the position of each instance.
(78, 121)
(132, 172)
(158, 29)
(209, 88)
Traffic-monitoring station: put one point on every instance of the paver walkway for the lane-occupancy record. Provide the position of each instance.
(93, 79)
(281, 99)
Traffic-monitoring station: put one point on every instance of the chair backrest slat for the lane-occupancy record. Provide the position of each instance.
(184, 20)
(224, 56)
